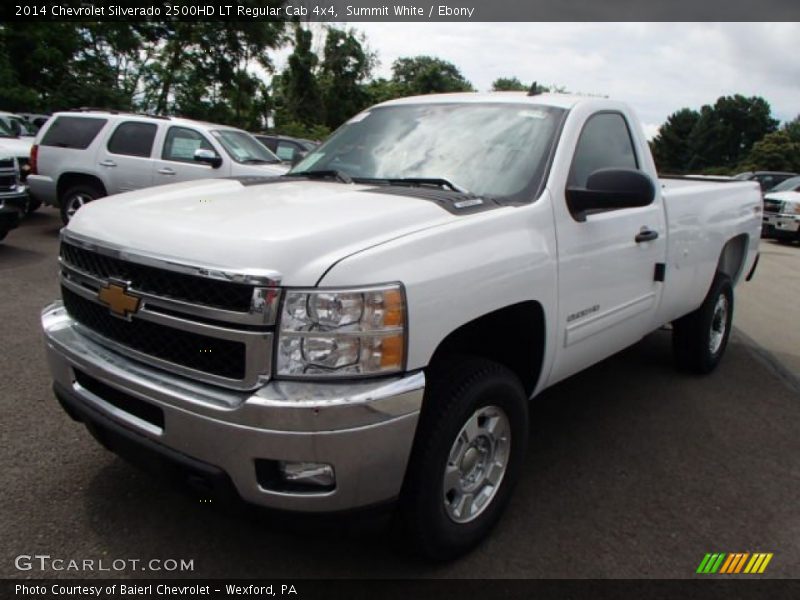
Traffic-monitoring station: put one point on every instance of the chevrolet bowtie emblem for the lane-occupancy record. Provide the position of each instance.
(117, 297)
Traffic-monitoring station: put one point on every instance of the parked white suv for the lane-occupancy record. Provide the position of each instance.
(81, 156)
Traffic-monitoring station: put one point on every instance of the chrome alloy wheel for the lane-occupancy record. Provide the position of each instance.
(476, 464)
(719, 323)
(76, 202)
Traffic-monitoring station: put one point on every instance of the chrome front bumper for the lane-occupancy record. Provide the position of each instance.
(365, 429)
(786, 223)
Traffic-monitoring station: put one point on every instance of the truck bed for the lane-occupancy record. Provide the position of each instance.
(701, 215)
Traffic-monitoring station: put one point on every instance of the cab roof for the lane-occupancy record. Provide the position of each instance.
(566, 101)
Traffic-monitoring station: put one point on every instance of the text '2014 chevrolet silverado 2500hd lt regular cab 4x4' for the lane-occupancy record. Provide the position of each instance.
(371, 326)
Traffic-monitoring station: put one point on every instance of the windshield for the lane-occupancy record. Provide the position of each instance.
(18, 124)
(787, 185)
(5, 130)
(244, 148)
(495, 150)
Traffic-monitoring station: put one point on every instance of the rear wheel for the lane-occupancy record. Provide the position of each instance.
(700, 338)
(467, 456)
(76, 197)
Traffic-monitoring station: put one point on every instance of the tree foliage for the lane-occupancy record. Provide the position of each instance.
(297, 98)
(509, 84)
(717, 138)
(777, 151)
(345, 67)
(670, 147)
(427, 75)
(725, 132)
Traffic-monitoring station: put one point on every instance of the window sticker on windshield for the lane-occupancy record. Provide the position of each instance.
(532, 114)
(359, 117)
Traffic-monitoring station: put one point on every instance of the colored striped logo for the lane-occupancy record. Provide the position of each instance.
(733, 563)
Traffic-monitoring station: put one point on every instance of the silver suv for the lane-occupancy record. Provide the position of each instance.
(80, 156)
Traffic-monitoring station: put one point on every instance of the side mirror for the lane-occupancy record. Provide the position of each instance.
(611, 189)
(209, 157)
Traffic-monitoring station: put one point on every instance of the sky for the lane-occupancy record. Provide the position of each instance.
(658, 68)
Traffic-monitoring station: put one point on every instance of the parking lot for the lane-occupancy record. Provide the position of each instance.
(633, 470)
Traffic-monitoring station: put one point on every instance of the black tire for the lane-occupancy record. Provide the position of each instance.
(3, 234)
(786, 241)
(83, 194)
(455, 393)
(33, 206)
(692, 335)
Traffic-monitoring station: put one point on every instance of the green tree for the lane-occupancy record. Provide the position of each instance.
(509, 84)
(725, 132)
(296, 91)
(428, 75)
(777, 151)
(346, 65)
(792, 129)
(203, 70)
(36, 61)
(670, 147)
(381, 89)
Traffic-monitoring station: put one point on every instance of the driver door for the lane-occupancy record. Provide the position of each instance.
(177, 162)
(608, 293)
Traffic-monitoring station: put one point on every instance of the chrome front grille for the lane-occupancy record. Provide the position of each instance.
(211, 325)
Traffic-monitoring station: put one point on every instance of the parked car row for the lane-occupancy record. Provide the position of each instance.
(78, 157)
(766, 179)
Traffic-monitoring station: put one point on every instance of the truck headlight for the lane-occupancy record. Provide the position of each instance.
(342, 333)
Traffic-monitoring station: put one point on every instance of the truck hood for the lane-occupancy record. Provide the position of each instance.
(19, 147)
(297, 228)
(793, 197)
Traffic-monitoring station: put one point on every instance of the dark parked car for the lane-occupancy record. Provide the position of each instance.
(287, 148)
(766, 179)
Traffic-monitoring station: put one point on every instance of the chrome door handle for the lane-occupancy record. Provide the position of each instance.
(166, 171)
(646, 235)
(108, 163)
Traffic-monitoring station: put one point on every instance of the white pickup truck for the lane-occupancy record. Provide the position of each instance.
(372, 326)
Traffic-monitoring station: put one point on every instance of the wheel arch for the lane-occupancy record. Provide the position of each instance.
(733, 256)
(513, 336)
(73, 178)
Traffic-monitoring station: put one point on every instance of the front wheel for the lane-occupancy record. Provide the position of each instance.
(469, 449)
(700, 338)
(75, 198)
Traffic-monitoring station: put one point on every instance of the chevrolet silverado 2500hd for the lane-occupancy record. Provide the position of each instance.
(371, 326)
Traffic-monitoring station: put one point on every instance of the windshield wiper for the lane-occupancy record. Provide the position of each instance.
(437, 181)
(322, 174)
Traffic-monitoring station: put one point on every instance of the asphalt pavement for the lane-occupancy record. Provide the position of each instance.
(633, 470)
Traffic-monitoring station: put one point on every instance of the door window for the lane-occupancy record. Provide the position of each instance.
(181, 144)
(286, 150)
(605, 142)
(133, 139)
